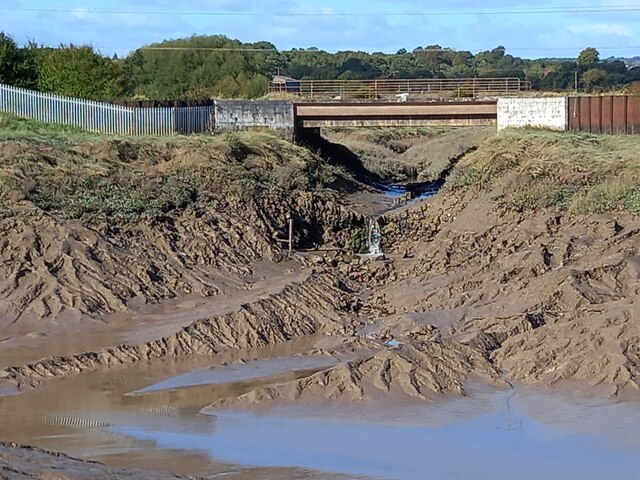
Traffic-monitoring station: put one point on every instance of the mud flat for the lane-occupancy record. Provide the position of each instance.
(23, 462)
(487, 434)
(497, 334)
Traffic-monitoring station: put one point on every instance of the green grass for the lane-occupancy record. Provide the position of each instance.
(14, 128)
(400, 154)
(96, 178)
(575, 172)
(384, 135)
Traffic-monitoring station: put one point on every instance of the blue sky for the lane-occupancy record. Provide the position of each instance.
(386, 26)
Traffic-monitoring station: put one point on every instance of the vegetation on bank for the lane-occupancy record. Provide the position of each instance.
(195, 70)
(574, 172)
(409, 154)
(15, 128)
(96, 178)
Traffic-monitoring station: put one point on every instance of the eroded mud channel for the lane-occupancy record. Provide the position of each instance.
(417, 331)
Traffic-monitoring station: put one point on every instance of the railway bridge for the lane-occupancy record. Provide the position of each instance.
(455, 113)
(309, 118)
(475, 103)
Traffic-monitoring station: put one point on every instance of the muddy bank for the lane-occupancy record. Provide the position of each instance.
(408, 154)
(19, 462)
(320, 304)
(417, 370)
(87, 228)
(58, 268)
(483, 284)
(548, 294)
(470, 288)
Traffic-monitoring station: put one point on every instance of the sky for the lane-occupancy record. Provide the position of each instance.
(558, 28)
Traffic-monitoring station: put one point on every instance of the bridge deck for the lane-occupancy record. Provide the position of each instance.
(316, 115)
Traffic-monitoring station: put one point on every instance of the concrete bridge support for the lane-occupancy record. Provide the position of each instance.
(235, 115)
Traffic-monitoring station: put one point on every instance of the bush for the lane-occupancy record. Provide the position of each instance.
(125, 199)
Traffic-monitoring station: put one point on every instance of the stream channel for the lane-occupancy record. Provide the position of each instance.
(154, 415)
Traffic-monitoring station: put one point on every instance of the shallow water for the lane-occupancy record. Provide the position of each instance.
(240, 372)
(419, 190)
(504, 442)
(490, 435)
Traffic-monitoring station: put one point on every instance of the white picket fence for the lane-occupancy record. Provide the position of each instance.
(105, 117)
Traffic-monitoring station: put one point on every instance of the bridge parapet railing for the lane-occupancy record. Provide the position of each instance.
(402, 90)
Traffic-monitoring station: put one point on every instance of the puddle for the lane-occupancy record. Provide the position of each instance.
(388, 198)
(417, 190)
(503, 443)
(490, 435)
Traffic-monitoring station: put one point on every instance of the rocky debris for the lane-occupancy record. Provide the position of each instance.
(320, 305)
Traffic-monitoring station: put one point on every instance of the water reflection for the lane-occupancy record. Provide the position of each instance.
(503, 444)
(491, 435)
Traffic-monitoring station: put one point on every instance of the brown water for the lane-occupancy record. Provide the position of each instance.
(148, 416)
(80, 415)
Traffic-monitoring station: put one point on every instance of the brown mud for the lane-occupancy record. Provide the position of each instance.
(549, 298)
(23, 462)
(467, 292)
(324, 303)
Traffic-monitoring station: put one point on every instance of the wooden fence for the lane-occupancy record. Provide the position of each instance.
(605, 114)
(103, 117)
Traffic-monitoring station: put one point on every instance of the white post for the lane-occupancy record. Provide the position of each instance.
(290, 234)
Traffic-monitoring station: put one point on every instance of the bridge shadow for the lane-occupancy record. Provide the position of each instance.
(340, 156)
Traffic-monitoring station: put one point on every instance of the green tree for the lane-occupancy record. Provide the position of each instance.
(17, 66)
(593, 77)
(588, 56)
(202, 66)
(79, 71)
(209, 66)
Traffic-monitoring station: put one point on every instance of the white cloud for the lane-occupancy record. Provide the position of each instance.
(603, 29)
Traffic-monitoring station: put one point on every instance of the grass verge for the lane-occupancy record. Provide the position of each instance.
(574, 172)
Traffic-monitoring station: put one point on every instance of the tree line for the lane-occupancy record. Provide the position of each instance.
(215, 66)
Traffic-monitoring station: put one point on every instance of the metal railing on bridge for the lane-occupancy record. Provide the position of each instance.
(402, 90)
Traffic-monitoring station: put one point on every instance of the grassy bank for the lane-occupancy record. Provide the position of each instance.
(573, 172)
(94, 178)
(402, 154)
(14, 128)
